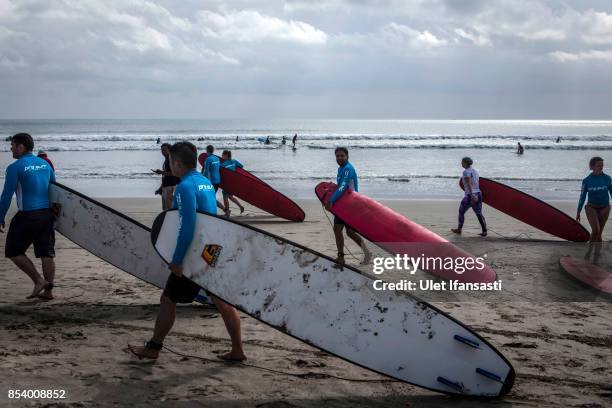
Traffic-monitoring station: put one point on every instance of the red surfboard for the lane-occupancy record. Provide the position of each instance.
(398, 235)
(256, 192)
(587, 273)
(531, 210)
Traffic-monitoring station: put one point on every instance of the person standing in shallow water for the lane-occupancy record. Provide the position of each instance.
(472, 198)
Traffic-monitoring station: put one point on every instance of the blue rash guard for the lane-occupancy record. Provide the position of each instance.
(193, 193)
(211, 169)
(599, 189)
(231, 164)
(28, 178)
(346, 178)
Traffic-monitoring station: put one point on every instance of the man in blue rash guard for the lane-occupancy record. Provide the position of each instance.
(194, 193)
(228, 163)
(211, 170)
(29, 179)
(598, 187)
(346, 179)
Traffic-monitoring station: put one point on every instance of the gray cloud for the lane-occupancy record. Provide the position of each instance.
(215, 58)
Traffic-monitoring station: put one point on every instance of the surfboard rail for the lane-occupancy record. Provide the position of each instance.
(531, 210)
(258, 193)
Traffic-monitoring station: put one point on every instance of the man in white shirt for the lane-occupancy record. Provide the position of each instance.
(472, 198)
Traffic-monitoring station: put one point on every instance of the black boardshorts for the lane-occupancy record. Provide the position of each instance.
(338, 221)
(216, 187)
(31, 227)
(180, 290)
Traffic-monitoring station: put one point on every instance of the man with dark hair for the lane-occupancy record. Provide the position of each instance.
(29, 179)
(346, 179)
(169, 181)
(194, 193)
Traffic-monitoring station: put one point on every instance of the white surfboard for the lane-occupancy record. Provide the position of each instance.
(306, 295)
(109, 235)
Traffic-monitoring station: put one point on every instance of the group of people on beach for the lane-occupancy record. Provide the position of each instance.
(210, 169)
(188, 190)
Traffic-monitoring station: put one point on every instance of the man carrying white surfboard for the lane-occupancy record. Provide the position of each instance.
(472, 198)
(346, 180)
(194, 193)
(29, 179)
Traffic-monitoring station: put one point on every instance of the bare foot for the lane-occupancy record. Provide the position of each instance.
(241, 209)
(340, 260)
(47, 294)
(367, 256)
(456, 230)
(38, 287)
(232, 357)
(143, 352)
(483, 234)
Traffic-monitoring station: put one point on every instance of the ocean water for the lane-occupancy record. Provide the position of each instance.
(393, 158)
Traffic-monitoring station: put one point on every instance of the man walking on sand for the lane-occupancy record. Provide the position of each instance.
(472, 197)
(194, 193)
(29, 179)
(346, 180)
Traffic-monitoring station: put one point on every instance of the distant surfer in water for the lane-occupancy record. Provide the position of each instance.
(294, 140)
(284, 140)
(29, 178)
(194, 192)
(346, 180)
(169, 181)
(267, 142)
(472, 198)
(598, 187)
(230, 164)
(520, 149)
(211, 170)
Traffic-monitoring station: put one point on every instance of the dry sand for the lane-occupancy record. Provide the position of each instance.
(556, 333)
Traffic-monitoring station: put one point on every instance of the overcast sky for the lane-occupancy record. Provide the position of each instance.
(306, 59)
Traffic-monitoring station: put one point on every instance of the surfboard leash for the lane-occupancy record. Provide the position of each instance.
(308, 375)
(515, 238)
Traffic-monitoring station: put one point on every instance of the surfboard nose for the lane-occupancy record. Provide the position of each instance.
(157, 225)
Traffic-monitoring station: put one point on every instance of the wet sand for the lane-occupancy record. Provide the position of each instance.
(556, 332)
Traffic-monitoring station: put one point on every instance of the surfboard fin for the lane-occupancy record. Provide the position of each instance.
(449, 383)
(489, 375)
(467, 341)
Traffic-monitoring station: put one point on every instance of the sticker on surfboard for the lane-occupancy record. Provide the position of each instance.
(211, 253)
